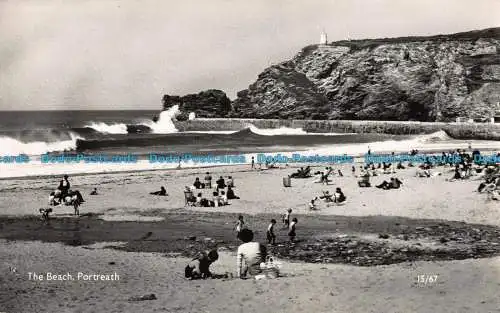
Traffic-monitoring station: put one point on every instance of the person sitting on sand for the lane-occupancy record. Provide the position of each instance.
(223, 198)
(318, 177)
(339, 196)
(198, 184)
(291, 232)
(74, 195)
(364, 180)
(221, 183)
(456, 174)
(230, 194)
(249, 256)
(302, 173)
(423, 172)
(161, 192)
(198, 199)
(94, 192)
(490, 184)
(388, 168)
(230, 181)
(395, 183)
(54, 199)
(189, 195)
(400, 166)
(199, 267)
(312, 204)
(298, 173)
(203, 202)
(340, 173)
(327, 197)
(286, 218)
(495, 195)
(216, 199)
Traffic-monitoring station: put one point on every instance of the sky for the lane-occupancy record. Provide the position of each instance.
(124, 55)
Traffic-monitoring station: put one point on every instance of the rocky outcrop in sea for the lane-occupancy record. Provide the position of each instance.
(208, 103)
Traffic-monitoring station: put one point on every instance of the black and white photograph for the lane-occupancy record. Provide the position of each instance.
(206, 156)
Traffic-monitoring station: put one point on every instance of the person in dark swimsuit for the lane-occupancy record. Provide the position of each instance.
(162, 192)
(230, 194)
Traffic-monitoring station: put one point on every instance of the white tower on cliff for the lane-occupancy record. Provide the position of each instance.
(323, 39)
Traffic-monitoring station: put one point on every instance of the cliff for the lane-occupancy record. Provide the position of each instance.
(434, 78)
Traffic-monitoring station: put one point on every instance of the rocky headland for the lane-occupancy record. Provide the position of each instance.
(437, 78)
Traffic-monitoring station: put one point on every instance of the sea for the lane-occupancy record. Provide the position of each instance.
(137, 133)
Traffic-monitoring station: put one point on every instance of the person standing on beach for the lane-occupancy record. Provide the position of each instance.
(208, 181)
(179, 166)
(291, 233)
(271, 237)
(239, 226)
(253, 163)
(64, 186)
(286, 218)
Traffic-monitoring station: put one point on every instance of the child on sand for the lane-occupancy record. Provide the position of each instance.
(312, 204)
(239, 226)
(223, 198)
(291, 232)
(271, 237)
(199, 266)
(286, 218)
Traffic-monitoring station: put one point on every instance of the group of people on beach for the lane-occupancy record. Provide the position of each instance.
(222, 192)
(64, 194)
(288, 223)
(250, 255)
(337, 197)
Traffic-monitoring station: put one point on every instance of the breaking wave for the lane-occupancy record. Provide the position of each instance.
(11, 146)
(282, 131)
(107, 128)
(164, 124)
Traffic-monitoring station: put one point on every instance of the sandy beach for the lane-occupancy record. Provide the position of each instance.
(261, 191)
(149, 234)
